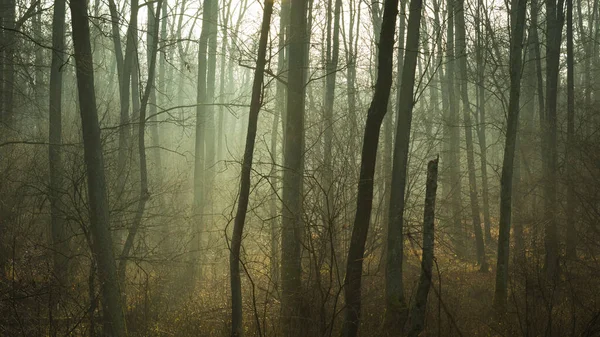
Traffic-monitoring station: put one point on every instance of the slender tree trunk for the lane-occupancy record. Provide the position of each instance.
(554, 23)
(209, 121)
(458, 235)
(420, 305)
(124, 96)
(237, 329)
(144, 194)
(293, 161)
(364, 202)
(481, 129)
(7, 114)
(517, 17)
(396, 310)
(59, 238)
(571, 201)
(461, 46)
(280, 110)
(94, 161)
(199, 162)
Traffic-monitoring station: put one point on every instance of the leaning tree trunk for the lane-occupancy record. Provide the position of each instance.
(396, 310)
(237, 328)
(94, 162)
(418, 311)
(364, 202)
(517, 15)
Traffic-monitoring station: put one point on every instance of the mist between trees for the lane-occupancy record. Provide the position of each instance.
(299, 168)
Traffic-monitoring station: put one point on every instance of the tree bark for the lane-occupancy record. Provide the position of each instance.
(461, 46)
(200, 160)
(481, 132)
(418, 311)
(144, 193)
(571, 201)
(59, 238)
(293, 161)
(517, 16)
(554, 24)
(94, 161)
(396, 310)
(237, 329)
(364, 202)
(452, 132)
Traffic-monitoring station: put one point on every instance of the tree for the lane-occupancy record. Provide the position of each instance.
(59, 238)
(293, 161)
(461, 46)
(200, 160)
(94, 162)
(517, 17)
(554, 24)
(237, 329)
(452, 134)
(364, 201)
(396, 311)
(418, 310)
(141, 138)
(571, 202)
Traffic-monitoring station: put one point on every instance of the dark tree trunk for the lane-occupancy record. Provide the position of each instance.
(396, 310)
(418, 311)
(7, 114)
(237, 328)
(94, 161)
(554, 24)
(517, 16)
(59, 238)
(293, 161)
(571, 201)
(364, 202)
(144, 193)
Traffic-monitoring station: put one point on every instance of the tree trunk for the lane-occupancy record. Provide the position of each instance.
(364, 202)
(94, 161)
(418, 311)
(124, 79)
(280, 110)
(458, 235)
(144, 194)
(293, 161)
(571, 201)
(461, 46)
(481, 134)
(199, 162)
(517, 16)
(396, 310)
(7, 114)
(59, 239)
(554, 23)
(237, 329)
